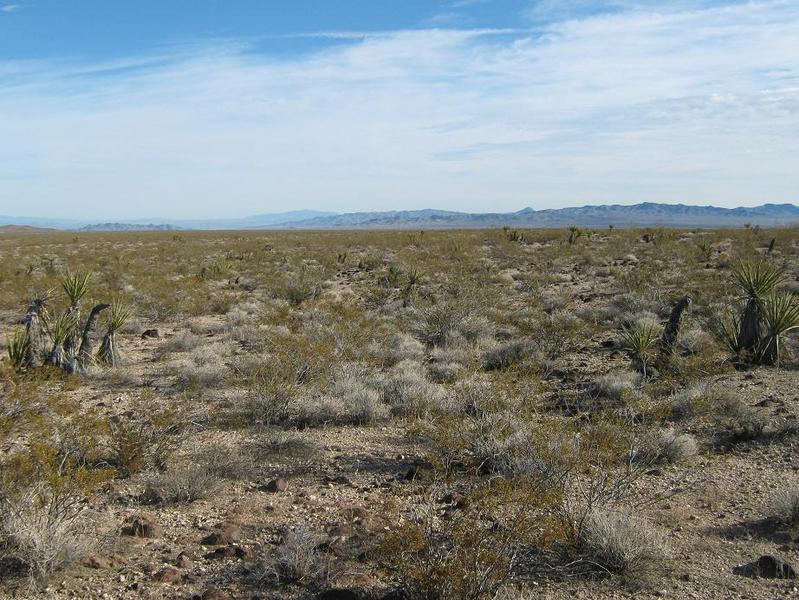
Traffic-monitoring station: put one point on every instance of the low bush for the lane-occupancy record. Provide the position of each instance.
(623, 544)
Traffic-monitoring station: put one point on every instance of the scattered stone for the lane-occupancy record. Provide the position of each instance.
(768, 567)
(339, 594)
(104, 562)
(228, 552)
(276, 485)
(143, 526)
(339, 479)
(184, 561)
(168, 575)
(227, 533)
(150, 333)
(214, 594)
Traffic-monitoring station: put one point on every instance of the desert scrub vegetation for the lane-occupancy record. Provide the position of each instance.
(443, 414)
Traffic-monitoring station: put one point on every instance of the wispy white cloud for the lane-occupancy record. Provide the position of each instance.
(698, 104)
(9, 8)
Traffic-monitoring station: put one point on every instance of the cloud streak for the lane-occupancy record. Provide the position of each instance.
(699, 104)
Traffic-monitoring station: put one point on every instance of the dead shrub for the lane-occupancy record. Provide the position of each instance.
(180, 484)
(45, 529)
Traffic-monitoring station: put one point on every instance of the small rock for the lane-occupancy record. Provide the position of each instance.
(768, 567)
(184, 561)
(214, 594)
(104, 562)
(227, 533)
(228, 552)
(276, 485)
(339, 594)
(168, 575)
(150, 333)
(143, 526)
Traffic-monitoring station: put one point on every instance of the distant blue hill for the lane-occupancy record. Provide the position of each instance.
(646, 214)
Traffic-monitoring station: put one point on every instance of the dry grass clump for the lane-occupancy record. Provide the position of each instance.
(668, 446)
(738, 420)
(182, 341)
(785, 503)
(622, 543)
(181, 484)
(408, 392)
(203, 368)
(283, 444)
(508, 354)
(618, 386)
(398, 348)
(298, 560)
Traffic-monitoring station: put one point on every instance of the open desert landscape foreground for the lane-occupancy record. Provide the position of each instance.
(498, 413)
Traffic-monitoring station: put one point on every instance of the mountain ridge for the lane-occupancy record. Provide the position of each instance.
(644, 214)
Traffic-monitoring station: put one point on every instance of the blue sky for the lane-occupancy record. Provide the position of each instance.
(213, 108)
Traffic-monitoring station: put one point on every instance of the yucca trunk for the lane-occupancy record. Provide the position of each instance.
(36, 336)
(672, 329)
(57, 357)
(109, 353)
(71, 342)
(750, 332)
(86, 352)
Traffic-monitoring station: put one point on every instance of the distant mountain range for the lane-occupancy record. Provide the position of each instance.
(647, 214)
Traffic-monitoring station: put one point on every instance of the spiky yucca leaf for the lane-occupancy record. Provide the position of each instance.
(639, 340)
(756, 279)
(120, 314)
(62, 327)
(780, 315)
(728, 330)
(75, 286)
(19, 350)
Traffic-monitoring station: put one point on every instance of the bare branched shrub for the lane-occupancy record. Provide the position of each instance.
(180, 484)
(398, 348)
(138, 443)
(45, 529)
(622, 543)
(471, 554)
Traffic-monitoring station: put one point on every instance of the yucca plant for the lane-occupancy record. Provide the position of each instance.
(727, 330)
(120, 313)
(414, 276)
(19, 350)
(755, 280)
(60, 330)
(780, 313)
(639, 340)
(75, 286)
